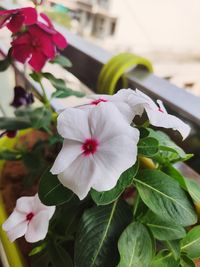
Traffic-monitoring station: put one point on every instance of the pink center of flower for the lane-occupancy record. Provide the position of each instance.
(90, 146)
(160, 110)
(97, 101)
(29, 216)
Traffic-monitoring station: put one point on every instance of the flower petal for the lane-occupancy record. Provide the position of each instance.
(25, 204)
(166, 120)
(79, 175)
(13, 220)
(70, 151)
(115, 156)
(72, 124)
(59, 40)
(16, 22)
(21, 53)
(102, 117)
(18, 231)
(47, 20)
(38, 206)
(37, 61)
(30, 15)
(38, 227)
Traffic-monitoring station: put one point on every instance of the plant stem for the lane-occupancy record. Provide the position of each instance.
(45, 99)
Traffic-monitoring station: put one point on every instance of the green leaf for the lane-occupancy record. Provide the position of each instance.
(10, 155)
(165, 259)
(107, 197)
(163, 195)
(59, 85)
(36, 76)
(62, 61)
(174, 247)
(62, 93)
(41, 118)
(135, 246)
(148, 146)
(186, 262)
(12, 124)
(194, 190)
(162, 229)
(38, 249)
(58, 256)
(6, 62)
(174, 173)
(52, 192)
(169, 151)
(98, 233)
(191, 243)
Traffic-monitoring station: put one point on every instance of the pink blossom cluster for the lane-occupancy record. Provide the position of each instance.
(34, 38)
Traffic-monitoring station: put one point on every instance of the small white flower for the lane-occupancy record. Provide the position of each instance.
(119, 100)
(30, 218)
(157, 114)
(99, 146)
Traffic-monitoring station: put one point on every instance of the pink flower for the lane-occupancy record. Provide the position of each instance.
(47, 26)
(14, 19)
(30, 218)
(38, 45)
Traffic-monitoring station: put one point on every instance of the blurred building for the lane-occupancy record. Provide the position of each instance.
(93, 16)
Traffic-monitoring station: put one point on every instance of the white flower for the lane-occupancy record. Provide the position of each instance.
(157, 114)
(99, 146)
(119, 100)
(30, 218)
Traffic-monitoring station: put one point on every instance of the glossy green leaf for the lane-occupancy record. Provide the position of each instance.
(164, 196)
(36, 76)
(38, 249)
(10, 155)
(98, 233)
(6, 62)
(169, 151)
(62, 93)
(107, 197)
(148, 146)
(52, 192)
(12, 124)
(58, 256)
(40, 118)
(62, 61)
(174, 173)
(194, 190)
(135, 246)
(162, 229)
(174, 247)
(60, 86)
(191, 243)
(164, 259)
(186, 262)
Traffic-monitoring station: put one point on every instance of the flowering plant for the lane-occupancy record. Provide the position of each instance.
(109, 193)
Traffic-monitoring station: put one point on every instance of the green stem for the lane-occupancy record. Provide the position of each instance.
(45, 98)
